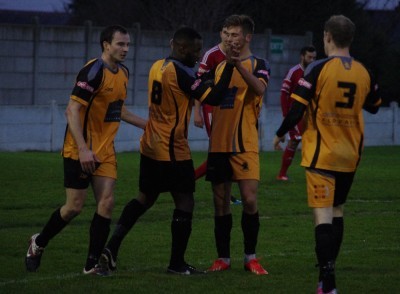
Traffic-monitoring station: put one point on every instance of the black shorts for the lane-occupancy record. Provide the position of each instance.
(343, 183)
(219, 169)
(74, 177)
(166, 176)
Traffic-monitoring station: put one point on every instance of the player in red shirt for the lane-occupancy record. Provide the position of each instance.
(203, 112)
(307, 55)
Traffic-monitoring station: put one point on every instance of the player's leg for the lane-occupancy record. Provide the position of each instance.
(103, 189)
(246, 171)
(250, 223)
(201, 170)
(207, 118)
(182, 187)
(220, 173)
(344, 182)
(148, 185)
(289, 152)
(320, 190)
(76, 184)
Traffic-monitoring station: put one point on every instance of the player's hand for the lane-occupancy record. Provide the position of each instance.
(198, 120)
(233, 53)
(277, 141)
(89, 161)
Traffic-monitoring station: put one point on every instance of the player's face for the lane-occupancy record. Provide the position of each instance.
(193, 53)
(236, 37)
(224, 36)
(119, 47)
(308, 58)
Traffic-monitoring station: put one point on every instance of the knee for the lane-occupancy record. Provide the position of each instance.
(250, 205)
(106, 206)
(68, 212)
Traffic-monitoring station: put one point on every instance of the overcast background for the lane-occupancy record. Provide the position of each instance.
(58, 5)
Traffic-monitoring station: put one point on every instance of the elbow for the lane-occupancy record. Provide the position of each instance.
(372, 109)
(67, 112)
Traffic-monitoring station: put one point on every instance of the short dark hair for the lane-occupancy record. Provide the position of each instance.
(107, 34)
(185, 34)
(342, 30)
(242, 20)
(305, 49)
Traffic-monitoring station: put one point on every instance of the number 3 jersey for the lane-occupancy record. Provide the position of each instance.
(335, 90)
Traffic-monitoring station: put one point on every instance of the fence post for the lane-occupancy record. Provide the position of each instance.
(88, 35)
(136, 47)
(395, 136)
(53, 109)
(35, 57)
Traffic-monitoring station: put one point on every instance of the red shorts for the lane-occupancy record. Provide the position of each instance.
(295, 133)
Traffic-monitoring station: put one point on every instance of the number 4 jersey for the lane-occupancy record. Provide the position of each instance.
(335, 90)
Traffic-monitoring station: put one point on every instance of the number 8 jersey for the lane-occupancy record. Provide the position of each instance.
(172, 87)
(335, 90)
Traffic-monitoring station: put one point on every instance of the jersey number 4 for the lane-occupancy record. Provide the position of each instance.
(349, 94)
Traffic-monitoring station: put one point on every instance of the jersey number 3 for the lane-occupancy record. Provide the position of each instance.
(349, 94)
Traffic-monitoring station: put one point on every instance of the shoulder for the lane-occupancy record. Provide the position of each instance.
(317, 65)
(213, 51)
(213, 55)
(124, 69)
(260, 62)
(295, 70)
(92, 69)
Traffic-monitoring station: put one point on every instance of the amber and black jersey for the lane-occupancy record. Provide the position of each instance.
(172, 85)
(235, 121)
(102, 93)
(335, 90)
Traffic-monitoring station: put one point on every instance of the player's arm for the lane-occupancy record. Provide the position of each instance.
(86, 157)
(218, 91)
(285, 97)
(82, 92)
(201, 90)
(198, 117)
(253, 82)
(373, 100)
(132, 118)
(293, 117)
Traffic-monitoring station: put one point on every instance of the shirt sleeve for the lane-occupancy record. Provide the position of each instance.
(373, 100)
(87, 82)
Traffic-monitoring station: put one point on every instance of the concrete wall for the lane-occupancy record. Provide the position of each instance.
(40, 63)
(42, 128)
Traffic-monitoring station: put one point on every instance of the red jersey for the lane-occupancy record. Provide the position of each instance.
(211, 59)
(289, 84)
(208, 64)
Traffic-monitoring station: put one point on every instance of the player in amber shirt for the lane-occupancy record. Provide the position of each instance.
(333, 93)
(307, 55)
(233, 150)
(94, 112)
(203, 112)
(166, 164)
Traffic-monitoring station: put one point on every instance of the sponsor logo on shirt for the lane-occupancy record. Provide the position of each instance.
(263, 72)
(85, 86)
(114, 111)
(196, 84)
(302, 82)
